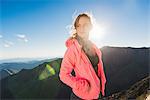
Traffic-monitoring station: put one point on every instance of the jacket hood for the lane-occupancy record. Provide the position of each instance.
(69, 42)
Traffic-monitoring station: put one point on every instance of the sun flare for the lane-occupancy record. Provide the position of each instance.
(98, 31)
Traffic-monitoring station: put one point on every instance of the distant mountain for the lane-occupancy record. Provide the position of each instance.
(27, 83)
(17, 66)
(12, 60)
(5, 72)
(123, 67)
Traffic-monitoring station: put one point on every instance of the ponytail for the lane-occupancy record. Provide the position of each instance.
(74, 35)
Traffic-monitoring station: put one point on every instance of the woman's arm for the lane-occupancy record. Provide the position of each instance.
(67, 66)
(101, 73)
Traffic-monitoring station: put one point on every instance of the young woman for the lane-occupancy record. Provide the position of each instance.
(85, 59)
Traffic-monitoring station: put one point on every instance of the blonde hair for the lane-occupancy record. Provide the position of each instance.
(74, 33)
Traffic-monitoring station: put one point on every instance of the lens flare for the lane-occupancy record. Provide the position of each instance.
(47, 72)
(98, 31)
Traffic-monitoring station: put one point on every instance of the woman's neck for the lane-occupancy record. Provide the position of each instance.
(86, 45)
(82, 38)
(83, 41)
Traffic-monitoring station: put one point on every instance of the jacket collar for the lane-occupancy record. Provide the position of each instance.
(74, 41)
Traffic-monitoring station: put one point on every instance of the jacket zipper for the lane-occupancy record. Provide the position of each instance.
(90, 65)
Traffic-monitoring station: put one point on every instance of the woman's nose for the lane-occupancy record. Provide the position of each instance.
(82, 29)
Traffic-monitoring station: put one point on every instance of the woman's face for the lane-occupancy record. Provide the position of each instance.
(83, 27)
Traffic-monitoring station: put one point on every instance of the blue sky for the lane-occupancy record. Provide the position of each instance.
(38, 28)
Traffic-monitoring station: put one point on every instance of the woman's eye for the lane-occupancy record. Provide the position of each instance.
(77, 26)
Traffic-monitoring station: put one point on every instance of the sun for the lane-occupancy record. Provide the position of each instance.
(98, 31)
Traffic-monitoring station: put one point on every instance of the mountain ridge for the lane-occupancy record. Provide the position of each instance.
(123, 68)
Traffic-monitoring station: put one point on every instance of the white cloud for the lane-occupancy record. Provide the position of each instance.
(8, 44)
(22, 37)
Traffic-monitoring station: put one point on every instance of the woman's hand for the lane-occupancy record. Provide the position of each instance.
(82, 85)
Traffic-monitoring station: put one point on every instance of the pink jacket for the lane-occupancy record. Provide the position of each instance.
(86, 83)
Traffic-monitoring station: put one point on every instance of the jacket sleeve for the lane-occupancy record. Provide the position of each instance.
(67, 66)
(101, 74)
